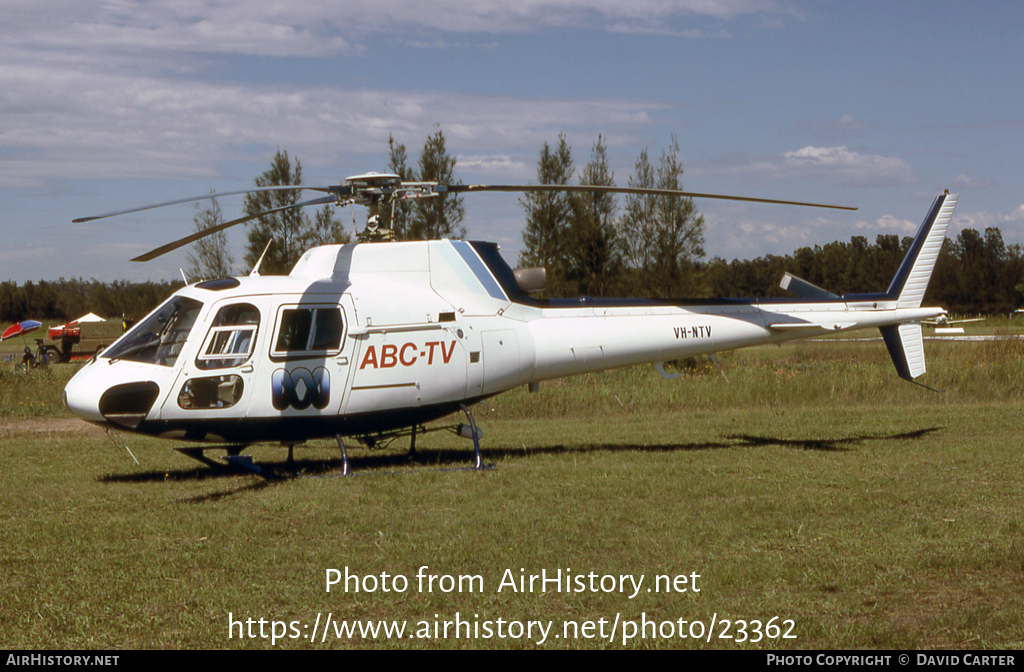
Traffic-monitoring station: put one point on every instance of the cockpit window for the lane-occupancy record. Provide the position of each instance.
(309, 331)
(158, 339)
(232, 337)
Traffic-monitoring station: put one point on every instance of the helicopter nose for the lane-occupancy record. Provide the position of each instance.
(82, 397)
(101, 395)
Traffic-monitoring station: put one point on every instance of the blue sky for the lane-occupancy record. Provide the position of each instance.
(879, 105)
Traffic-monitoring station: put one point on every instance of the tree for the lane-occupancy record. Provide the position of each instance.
(548, 215)
(326, 230)
(397, 158)
(662, 237)
(209, 258)
(439, 217)
(636, 228)
(592, 261)
(680, 230)
(289, 229)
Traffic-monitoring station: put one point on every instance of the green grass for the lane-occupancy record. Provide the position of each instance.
(814, 486)
(38, 393)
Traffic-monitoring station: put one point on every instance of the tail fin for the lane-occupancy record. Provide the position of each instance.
(904, 341)
(912, 278)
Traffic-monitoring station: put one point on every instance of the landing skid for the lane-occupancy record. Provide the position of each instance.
(198, 454)
(234, 461)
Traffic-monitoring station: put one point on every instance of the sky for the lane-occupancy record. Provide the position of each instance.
(877, 105)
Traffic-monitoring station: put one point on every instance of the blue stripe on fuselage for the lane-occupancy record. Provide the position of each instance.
(480, 271)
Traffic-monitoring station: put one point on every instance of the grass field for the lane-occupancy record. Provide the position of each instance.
(814, 487)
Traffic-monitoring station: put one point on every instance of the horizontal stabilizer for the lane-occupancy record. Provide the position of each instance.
(801, 287)
(906, 347)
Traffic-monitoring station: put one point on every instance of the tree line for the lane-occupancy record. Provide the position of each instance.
(653, 248)
(974, 274)
(64, 300)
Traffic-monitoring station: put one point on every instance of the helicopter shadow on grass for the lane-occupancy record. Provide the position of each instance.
(424, 460)
(830, 445)
(427, 460)
(731, 441)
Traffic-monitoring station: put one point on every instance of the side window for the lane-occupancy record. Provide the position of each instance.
(308, 331)
(211, 392)
(231, 339)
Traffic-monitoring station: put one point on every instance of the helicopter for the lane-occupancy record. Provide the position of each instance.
(374, 339)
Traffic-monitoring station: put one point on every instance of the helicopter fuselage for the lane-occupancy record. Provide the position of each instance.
(367, 338)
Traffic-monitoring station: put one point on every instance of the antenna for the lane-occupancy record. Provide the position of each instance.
(255, 273)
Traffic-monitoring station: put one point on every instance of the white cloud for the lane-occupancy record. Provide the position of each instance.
(660, 29)
(888, 225)
(121, 87)
(848, 123)
(842, 165)
(963, 182)
(495, 16)
(131, 27)
(498, 164)
(741, 231)
(68, 124)
(838, 165)
(307, 28)
(985, 219)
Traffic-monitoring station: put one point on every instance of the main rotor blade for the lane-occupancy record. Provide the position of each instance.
(182, 242)
(464, 188)
(342, 191)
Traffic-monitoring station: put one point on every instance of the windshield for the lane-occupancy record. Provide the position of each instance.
(158, 339)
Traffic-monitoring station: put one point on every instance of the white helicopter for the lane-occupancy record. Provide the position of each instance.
(372, 341)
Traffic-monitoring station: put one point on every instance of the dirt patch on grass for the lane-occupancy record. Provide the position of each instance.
(14, 426)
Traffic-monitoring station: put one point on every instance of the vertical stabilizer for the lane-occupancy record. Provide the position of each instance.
(912, 278)
(904, 341)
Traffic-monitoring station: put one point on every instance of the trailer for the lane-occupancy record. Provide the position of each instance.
(82, 338)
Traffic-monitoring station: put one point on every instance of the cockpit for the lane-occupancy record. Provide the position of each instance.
(159, 338)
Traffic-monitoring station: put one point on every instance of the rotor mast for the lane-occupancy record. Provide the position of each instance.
(380, 193)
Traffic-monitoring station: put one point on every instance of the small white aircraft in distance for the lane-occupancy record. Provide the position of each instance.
(372, 341)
